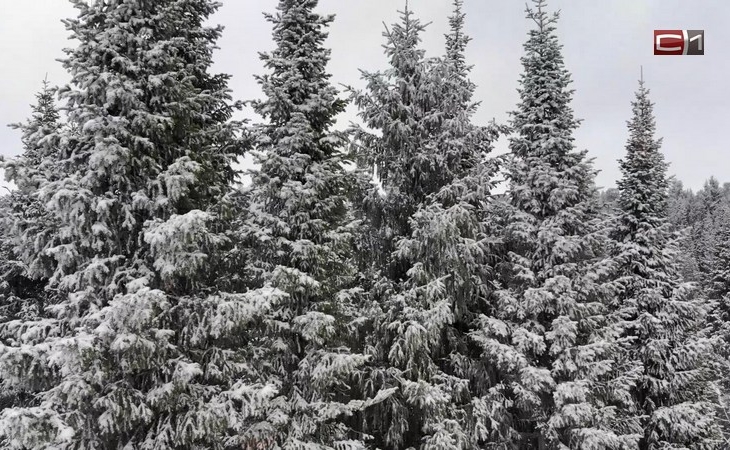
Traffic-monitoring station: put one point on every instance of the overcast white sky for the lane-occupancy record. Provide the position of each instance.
(605, 43)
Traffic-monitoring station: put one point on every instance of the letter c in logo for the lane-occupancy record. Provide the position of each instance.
(660, 37)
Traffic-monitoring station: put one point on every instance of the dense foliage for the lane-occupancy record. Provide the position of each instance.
(365, 288)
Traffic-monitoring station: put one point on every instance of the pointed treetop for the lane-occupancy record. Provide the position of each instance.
(545, 92)
(642, 121)
(45, 119)
(45, 108)
(297, 83)
(403, 40)
(644, 183)
(39, 138)
(539, 15)
(456, 39)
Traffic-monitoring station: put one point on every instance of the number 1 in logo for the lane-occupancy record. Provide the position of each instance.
(695, 42)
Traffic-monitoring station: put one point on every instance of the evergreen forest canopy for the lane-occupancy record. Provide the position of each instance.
(150, 301)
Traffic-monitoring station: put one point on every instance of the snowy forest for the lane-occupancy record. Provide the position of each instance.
(393, 285)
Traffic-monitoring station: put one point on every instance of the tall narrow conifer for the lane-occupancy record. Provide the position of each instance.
(552, 338)
(297, 232)
(664, 317)
(430, 245)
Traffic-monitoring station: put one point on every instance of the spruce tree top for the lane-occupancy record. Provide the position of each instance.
(457, 40)
(154, 134)
(143, 96)
(643, 186)
(402, 102)
(300, 158)
(45, 120)
(299, 93)
(459, 89)
(39, 138)
(549, 174)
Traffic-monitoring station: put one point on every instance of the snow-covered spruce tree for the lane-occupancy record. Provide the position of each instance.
(450, 257)
(680, 207)
(429, 253)
(679, 204)
(553, 339)
(141, 350)
(297, 233)
(455, 63)
(705, 230)
(662, 315)
(719, 289)
(27, 228)
(398, 102)
(719, 292)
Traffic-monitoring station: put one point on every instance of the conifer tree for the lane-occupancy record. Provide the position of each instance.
(297, 233)
(406, 103)
(663, 316)
(429, 242)
(27, 227)
(141, 350)
(450, 255)
(719, 292)
(720, 280)
(553, 340)
(38, 135)
(680, 203)
(705, 230)
(399, 103)
(456, 44)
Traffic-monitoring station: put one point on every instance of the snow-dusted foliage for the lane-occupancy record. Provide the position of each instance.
(719, 292)
(297, 235)
(140, 350)
(429, 237)
(719, 288)
(403, 103)
(553, 341)
(663, 316)
(40, 143)
(27, 229)
(698, 216)
(370, 294)
(704, 233)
